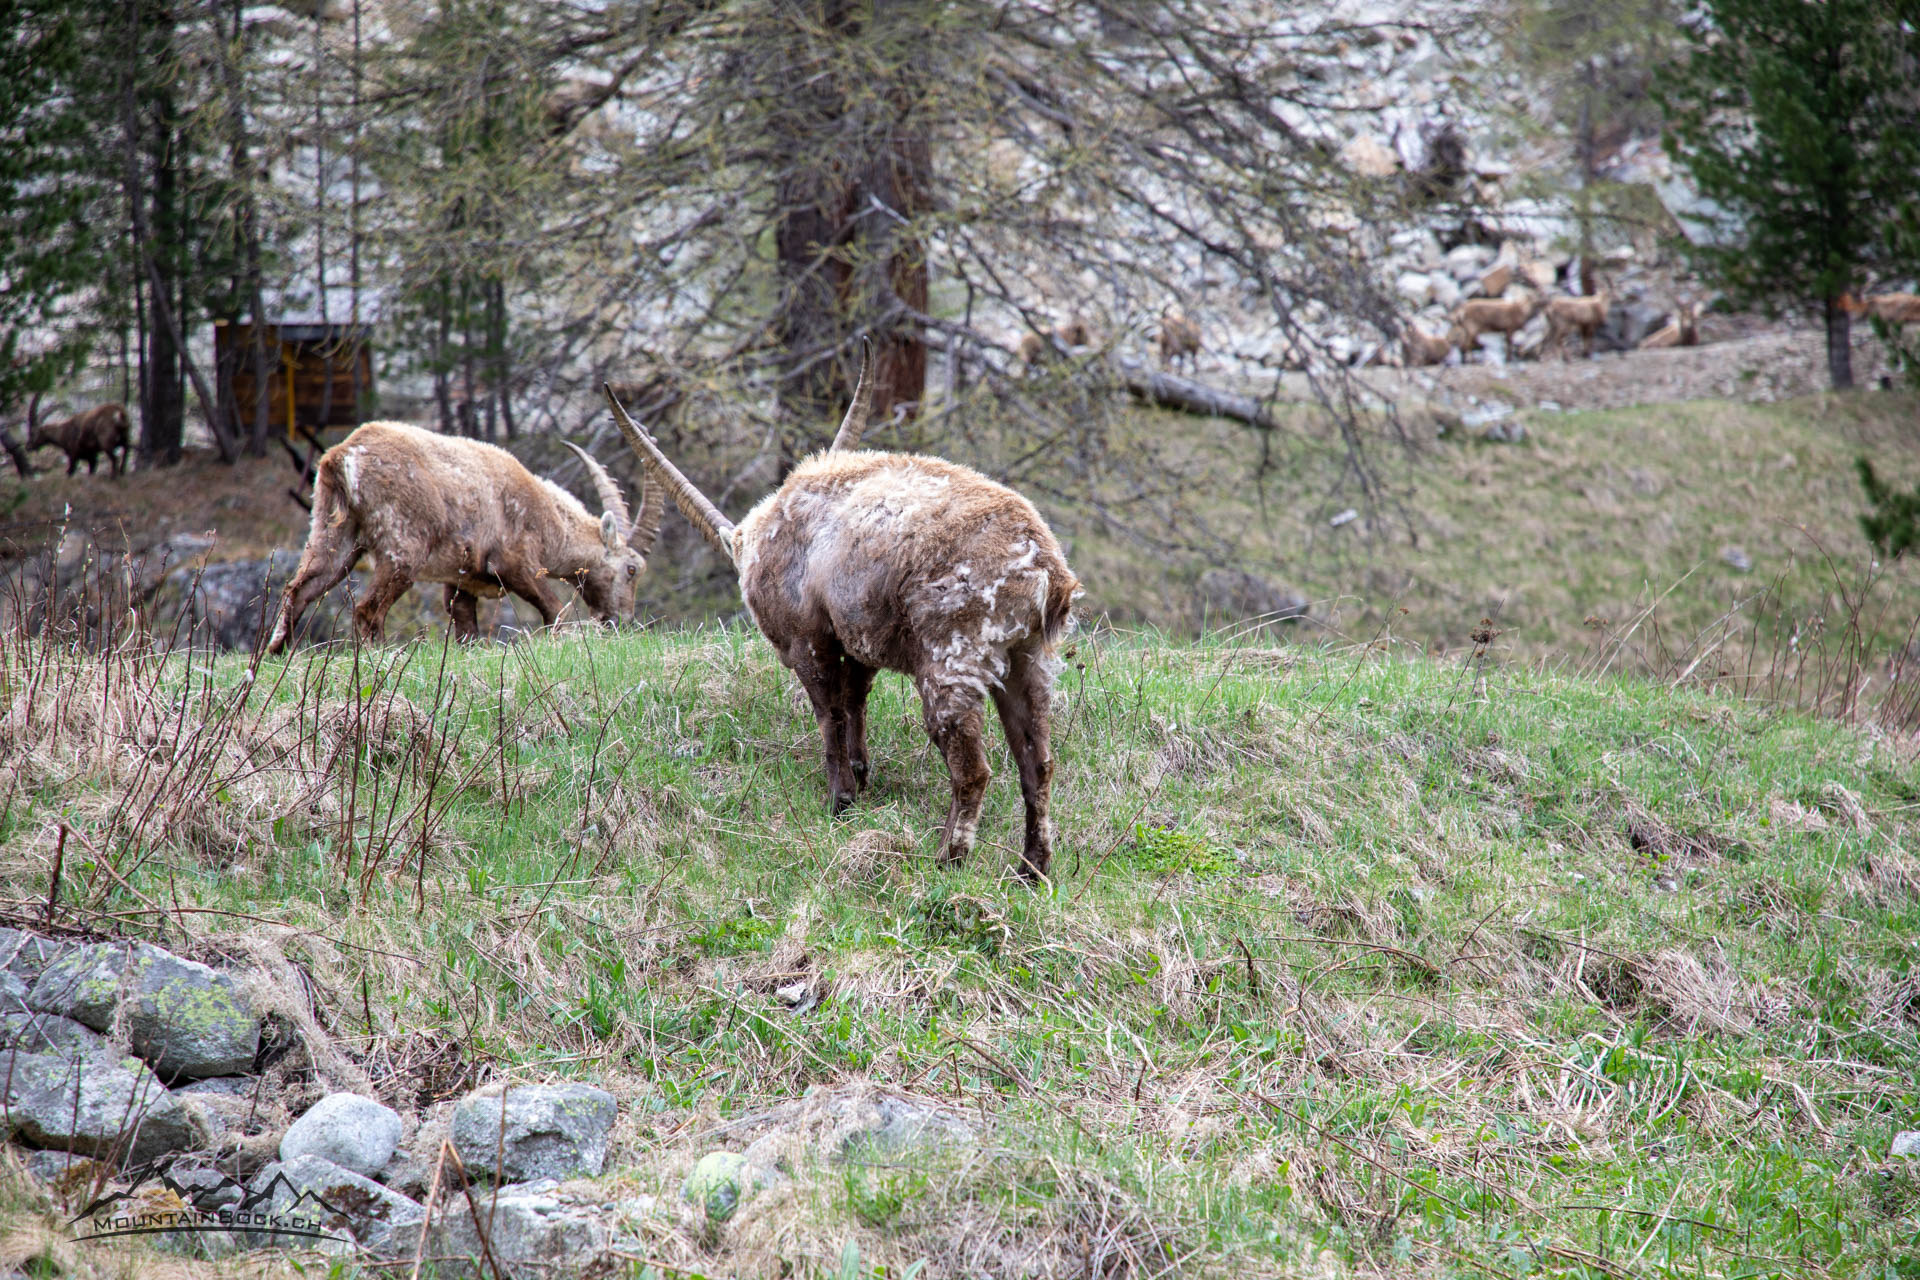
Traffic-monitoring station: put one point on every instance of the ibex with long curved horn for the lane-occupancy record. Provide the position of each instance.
(864, 560)
(432, 508)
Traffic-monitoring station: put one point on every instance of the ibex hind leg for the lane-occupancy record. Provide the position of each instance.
(955, 717)
(370, 615)
(1025, 703)
(463, 614)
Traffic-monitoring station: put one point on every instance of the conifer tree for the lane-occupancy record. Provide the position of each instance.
(1801, 119)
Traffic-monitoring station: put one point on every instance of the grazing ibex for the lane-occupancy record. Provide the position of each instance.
(861, 561)
(1037, 348)
(1179, 336)
(1682, 330)
(431, 508)
(85, 436)
(1423, 348)
(1583, 315)
(1504, 316)
(1897, 309)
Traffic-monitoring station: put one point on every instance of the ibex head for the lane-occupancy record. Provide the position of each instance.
(607, 585)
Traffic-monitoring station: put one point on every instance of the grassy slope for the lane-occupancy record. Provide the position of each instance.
(1346, 970)
(1593, 515)
(1596, 513)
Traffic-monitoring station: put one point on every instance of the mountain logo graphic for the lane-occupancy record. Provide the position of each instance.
(225, 1205)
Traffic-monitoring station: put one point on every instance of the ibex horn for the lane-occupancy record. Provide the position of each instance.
(693, 504)
(855, 423)
(610, 499)
(653, 505)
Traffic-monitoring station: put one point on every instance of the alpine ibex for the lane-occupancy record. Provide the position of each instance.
(1422, 348)
(863, 560)
(1682, 330)
(85, 436)
(1179, 336)
(431, 508)
(1583, 315)
(1897, 309)
(1505, 316)
(1037, 348)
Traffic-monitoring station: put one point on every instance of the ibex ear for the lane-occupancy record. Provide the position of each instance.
(609, 531)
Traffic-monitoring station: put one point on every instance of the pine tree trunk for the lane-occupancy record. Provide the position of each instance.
(1839, 346)
(163, 421)
(829, 220)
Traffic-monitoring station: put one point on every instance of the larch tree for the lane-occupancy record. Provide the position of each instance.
(1801, 119)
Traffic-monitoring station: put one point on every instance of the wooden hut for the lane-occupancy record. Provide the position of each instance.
(321, 371)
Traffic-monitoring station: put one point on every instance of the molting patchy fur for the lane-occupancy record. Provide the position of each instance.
(864, 561)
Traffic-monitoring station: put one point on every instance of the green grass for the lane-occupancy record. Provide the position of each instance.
(1350, 965)
(1562, 539)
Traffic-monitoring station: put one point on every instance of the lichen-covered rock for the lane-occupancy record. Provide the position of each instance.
(354, 1132)
(341, 1201)
(532, 1230)
(550, 1131)
(25, 954)
(186, 1019)
(98, 1105)
(13, 993)
(48, 1033)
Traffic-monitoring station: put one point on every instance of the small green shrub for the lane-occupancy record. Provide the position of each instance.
(1893, 526)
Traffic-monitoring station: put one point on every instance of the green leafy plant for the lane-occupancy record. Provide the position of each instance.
(1168, 851)
(1893, 526)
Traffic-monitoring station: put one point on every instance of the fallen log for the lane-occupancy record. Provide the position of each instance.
(1158, 387)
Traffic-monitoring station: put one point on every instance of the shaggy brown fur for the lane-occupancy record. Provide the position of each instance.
(1489, 315)
(1682, 330)
(863, 561)
(432, 508)
(1423, 348)
(1899, 309)
(1038, 348)
(1584, 315)
(85, 436)
(1179, 337)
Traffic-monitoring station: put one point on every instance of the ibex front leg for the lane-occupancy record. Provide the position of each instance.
(955, 715)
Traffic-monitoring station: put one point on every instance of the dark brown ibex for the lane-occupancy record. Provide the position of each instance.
(103, 429)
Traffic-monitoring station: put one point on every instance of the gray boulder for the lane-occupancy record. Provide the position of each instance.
(221, 1087)
(97, 1105)
(1235, 594)
(50, 1166)
(184, 1018)
(883, 1127)
(532, 1232)
(1906, 1145)
(550, 1131)
(13, 993)
(48, 1033)
(314, 1194)
(26, 954)
(353, 1132)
